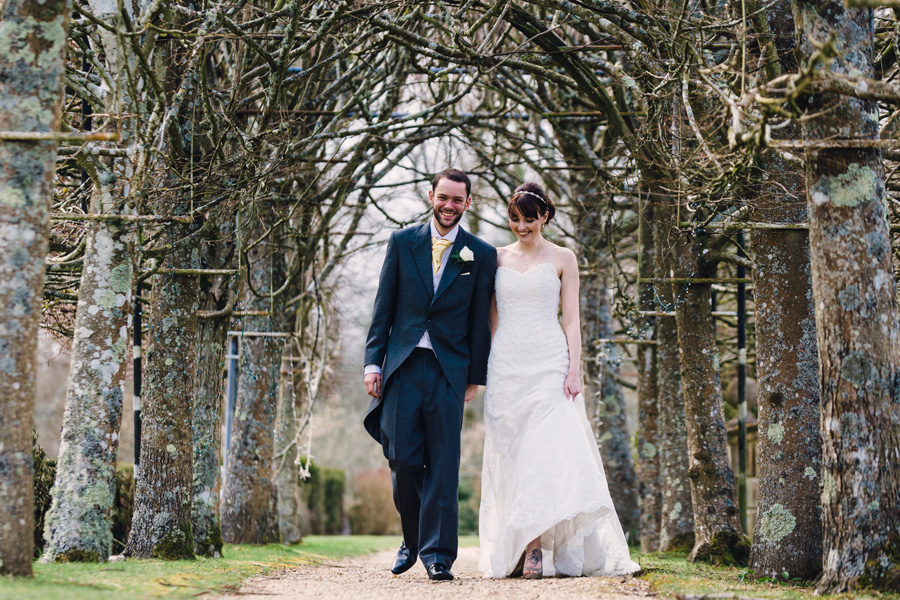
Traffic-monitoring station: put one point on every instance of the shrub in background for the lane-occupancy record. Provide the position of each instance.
(323, 493)
(372, 511)
(123, 507)
(468, 507)
(44, 475)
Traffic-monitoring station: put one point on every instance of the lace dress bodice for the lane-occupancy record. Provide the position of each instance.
(528, 310)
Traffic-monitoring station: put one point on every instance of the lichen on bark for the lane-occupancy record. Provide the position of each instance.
(32, 48)
(249, 506)
(858, 342)
(161, 525)
(206, 421)
(79, 523)
(677, 514)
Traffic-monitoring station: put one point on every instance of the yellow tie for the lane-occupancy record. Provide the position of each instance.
(438, 246)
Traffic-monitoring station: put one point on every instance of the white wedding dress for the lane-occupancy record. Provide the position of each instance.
(542, 473)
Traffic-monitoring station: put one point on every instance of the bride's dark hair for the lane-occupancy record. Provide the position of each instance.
(531, 201)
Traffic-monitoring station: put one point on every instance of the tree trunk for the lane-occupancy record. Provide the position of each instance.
(291, 408)
(79, 524)
(856, 315)
(249, 508)
(676, 532)
(207, 432)
(718, 534)
(612, 429)
(648, 397)
(161, 526)
(787, 541)
(788, 533)
(605, 403)
(206, 419)
(33, 39)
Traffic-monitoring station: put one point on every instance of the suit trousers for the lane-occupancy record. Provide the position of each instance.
(421, 421)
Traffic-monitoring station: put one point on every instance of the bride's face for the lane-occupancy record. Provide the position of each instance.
(526, 229)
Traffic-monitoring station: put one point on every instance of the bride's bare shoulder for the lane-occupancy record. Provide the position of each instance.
(503, 251)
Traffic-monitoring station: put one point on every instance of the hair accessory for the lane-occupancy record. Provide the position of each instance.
(531, 194)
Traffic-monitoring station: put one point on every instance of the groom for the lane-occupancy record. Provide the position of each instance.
(426, 354)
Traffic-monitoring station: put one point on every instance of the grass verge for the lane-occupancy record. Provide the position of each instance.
(671, 575)
(141, 579)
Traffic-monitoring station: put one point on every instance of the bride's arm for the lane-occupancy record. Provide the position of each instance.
(571, 321)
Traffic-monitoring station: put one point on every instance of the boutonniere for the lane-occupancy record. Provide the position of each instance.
(464, 255)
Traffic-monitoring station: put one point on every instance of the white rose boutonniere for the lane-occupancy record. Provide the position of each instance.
(464, 255)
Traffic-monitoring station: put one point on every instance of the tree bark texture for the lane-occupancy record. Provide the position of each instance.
(788, 532)
(206, 419)
(856, 315)
(161, 526)
(32, 50)
(249, 508)
(787, 541)
(718, 534)
(79, 524)
(648, 397)
(291, 407)
(676, 531)
(206, 424)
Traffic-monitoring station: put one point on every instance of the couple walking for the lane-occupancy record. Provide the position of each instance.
(452, 313)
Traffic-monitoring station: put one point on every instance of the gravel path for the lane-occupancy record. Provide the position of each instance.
(369, 577)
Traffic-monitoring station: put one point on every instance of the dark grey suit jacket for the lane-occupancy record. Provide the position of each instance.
(456, 315)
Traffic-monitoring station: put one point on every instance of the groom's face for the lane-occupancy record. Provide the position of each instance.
(448, 201)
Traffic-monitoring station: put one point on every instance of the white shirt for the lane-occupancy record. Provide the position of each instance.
(425, 341)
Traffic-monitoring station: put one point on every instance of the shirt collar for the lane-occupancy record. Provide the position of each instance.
(451, 235)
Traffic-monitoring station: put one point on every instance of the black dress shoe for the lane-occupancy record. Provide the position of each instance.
(404, 561)
(439, 572)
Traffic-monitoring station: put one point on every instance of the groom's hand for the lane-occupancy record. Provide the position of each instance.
(470, 391)
(373, 385)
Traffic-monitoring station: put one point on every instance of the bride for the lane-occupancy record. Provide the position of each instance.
(545, 505)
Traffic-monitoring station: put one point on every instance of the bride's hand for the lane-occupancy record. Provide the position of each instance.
(573, 384)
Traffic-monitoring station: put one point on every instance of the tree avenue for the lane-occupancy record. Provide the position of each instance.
(222, 169)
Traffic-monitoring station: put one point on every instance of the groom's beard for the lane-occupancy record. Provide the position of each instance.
(440, 218)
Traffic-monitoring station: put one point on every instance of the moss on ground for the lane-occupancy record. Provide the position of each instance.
(671, 575)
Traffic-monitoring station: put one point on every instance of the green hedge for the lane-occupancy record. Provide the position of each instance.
(323, 493)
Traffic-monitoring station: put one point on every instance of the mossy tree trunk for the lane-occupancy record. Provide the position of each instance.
(788, 532)
(787, 541)
(32, 51)
(206, 423)
(676, 531)
(79, 524)
(648, 395)
(603, 393)
(161, 526)
(717, 529)
(249, 508)
(291, 408)
(856, 314)
(217, 295)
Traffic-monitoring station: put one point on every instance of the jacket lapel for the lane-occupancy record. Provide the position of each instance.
(454, 267)
(421, 249)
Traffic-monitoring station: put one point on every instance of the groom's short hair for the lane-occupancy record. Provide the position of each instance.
(453, 175)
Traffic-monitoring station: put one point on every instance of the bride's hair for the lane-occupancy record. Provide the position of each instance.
(531, 201)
